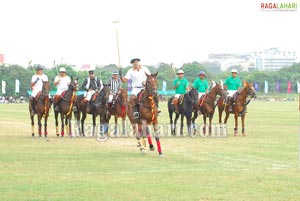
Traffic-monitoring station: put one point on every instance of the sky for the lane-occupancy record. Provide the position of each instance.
(170, 31)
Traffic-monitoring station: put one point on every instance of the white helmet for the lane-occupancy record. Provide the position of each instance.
(180, 72)
(62, 70)
(234, 71)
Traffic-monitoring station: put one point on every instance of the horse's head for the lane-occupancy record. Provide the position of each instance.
(74, 86)
(123, 96)
(46, 88)
(193, 95)
(218, 89)
(105, 92)
(151, 84)
(250, 89)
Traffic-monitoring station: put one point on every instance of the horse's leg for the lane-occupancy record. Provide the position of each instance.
(193, 121)
(204, 124)
(70, 125)
(157, 137)
(32, 124)
(209, 129)
(40, 124)
(77, 115)
(82, 123)
(181, 124)
(188, 122)
(67, 125)
(151, 147)
(56, 123)
(116, 125)
(171, 123)
(94, 125)
(220, 110)
(124, 125)
(236, 123)
(175, 122)
(62, 132)
(45, 125)
(243, 124)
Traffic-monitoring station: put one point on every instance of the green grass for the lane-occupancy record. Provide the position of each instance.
(261, 166)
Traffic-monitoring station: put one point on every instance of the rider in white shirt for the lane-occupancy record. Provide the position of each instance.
(62, 82)
(137, 75)
(37, 86)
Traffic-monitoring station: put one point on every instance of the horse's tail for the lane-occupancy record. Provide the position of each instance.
(170, 105)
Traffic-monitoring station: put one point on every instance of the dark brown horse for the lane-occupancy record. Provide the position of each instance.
(239, 107)
(65, 105)
(188, 102)
(99, 106)
(41, 108)
(207, 106)
(147, 115)
(118, 109)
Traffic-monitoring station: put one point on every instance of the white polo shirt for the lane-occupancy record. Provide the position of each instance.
(137, 76)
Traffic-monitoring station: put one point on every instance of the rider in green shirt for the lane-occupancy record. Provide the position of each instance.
(201, 84)
(180, 85)
(232, 84)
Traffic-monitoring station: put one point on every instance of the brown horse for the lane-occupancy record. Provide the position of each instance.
(238, 107)
(118, 109)
(41, 108)
(65, 105)
(99, 106)
(207, 106)
(147, 115)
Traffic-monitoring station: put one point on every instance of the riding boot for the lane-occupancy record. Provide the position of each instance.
(175, 103)
(32, 105)
(135, 105)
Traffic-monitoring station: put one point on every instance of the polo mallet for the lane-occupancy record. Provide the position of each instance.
(31, 66)
(55, 67)
(173, 70)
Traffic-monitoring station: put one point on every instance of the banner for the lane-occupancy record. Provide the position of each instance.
(298, 87)
(277, 86)
(129, 87)
(221, 83)
(256, 86)
(3, 87)
(17, 90)
(289, 87)
(266, 87)
(164, 85)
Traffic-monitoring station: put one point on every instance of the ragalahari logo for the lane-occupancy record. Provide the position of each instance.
(283, 6)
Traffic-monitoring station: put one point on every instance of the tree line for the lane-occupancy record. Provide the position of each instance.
(165, 72)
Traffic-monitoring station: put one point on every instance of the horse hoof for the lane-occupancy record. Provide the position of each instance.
(160, 155)
(143, 151)
(40, 135)
(152, 148)
(32, 135)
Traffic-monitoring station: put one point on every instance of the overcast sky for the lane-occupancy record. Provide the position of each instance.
(82, 32)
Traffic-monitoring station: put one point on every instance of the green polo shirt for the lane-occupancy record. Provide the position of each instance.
(183, 84)
(232, 83)
(200, 85)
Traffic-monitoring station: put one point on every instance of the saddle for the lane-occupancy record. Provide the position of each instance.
(202, 99)
(58, 97)
(95, 95)
(140, 96)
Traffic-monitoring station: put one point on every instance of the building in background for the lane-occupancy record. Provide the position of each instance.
(273, 59)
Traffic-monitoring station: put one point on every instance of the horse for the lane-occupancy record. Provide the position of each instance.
(42, 106)
(148, 113)
(206, 106)
(186, 105)
(118, 109)
(243, 98)
(65, 105)
(99, 106)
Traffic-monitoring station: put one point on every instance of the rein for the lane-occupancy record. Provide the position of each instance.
(71, 103)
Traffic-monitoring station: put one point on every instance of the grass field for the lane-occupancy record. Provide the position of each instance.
(261, 166)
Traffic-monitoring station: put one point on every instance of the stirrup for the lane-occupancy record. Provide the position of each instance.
(74, 109)
(136, 115)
